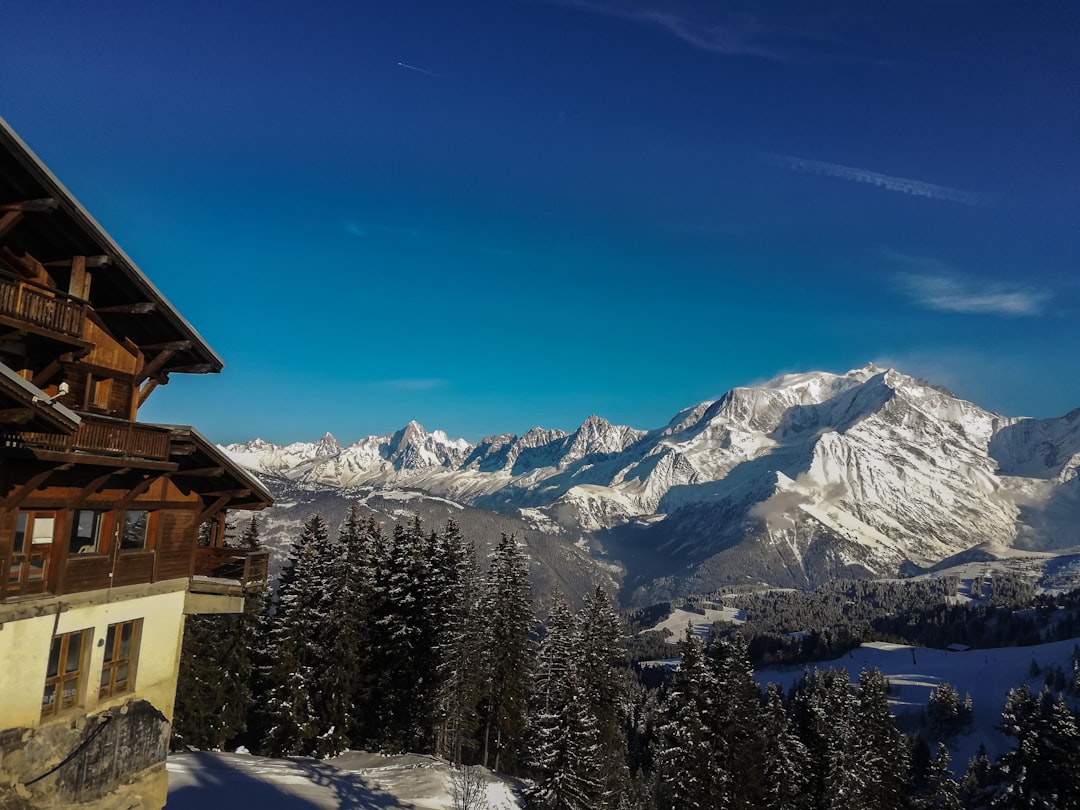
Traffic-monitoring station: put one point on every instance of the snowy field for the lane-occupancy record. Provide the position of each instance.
(701, 622)
(353, 781)
(914, 672)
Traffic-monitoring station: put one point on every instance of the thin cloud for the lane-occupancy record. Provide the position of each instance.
(412, 384)
(367, 229)
(733, 37)
(947, 294)
(904, 185)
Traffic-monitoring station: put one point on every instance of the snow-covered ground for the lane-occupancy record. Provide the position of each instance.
(702, 623)
(914, 672)
(354, 781)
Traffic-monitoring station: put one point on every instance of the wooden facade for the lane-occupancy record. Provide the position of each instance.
(96, 507)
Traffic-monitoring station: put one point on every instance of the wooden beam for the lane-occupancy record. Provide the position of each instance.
(91, 261)
(43, 377)
(148, 389)
(202, 472)
(79, 282)
(151, 368)
(97, 484)
(213, 509)
(41, 206)
(177, 449)
(175, 345)
(229, 493)
(139, 308)
(16, 416)
(9, 221)
(195, 368)
(23, 492)
(139, 489)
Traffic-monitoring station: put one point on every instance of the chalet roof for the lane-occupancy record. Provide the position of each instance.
(121, 294)
(205, 469)
(32, 408)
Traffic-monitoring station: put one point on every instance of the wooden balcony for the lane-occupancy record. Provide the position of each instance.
(102, 436)
(45, 310)
(231, 571)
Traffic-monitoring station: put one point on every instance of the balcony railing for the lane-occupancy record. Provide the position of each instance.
(40, 308)
(247, 566)
(102, 436)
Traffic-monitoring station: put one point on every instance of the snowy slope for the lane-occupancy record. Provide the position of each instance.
(802, 478)
(914, 672)
(355, 780)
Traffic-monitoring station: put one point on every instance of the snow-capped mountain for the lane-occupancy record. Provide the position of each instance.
(798, 479)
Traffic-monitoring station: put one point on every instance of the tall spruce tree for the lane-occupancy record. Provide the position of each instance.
(689, 777)
(342, 639)
(737, 726)
(603, 682)
(290, 659)
(783, 767)
(508, 610)
(457, 644)
(214, 688)
(881, 753)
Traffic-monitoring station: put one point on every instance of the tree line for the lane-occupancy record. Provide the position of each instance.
(408, 641)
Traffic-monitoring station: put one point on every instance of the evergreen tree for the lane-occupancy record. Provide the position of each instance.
(689, 777)
(214, 689)
(603, 651)
(880, 751)
(736, 723)
(784, 763)
(343, 640)
(507, 607)
(457, 646)
(941, 791)
(290, 660)
(405, 691)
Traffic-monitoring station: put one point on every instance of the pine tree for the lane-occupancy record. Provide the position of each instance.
(881, 753)
(342, 639)
(290, 660)
(941, 791)
(507, 607)
(736, 723)
(688, 774)
(405, 690)
(783, 766)
(458, 645)
(603, 652)
(214, 691)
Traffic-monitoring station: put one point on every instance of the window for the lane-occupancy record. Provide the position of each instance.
(31, 547)
(135, 530)
(99, 389)
(86, 531)
(64, 676)
(118, 671)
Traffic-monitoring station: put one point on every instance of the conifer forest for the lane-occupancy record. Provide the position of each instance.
(407, 641)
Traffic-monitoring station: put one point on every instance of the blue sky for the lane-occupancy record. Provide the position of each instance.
(491, 215)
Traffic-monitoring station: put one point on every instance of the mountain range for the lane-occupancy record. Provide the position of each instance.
(790, 483)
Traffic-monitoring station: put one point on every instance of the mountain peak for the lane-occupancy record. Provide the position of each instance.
(327, 445)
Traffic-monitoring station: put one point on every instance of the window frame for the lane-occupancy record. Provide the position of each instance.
(113, 659)
(148, 534)
(100, 530)
(27, 546)
(63, 676)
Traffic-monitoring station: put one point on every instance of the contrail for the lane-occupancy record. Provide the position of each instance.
(916, 188)
(417, 69)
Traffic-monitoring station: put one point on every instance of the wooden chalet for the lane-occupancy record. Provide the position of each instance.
(101, 515)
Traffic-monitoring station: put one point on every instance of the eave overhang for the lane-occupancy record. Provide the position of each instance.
(120, 293)
(25, 406)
